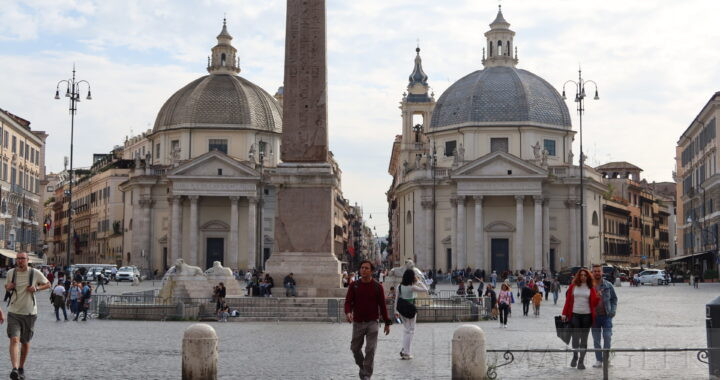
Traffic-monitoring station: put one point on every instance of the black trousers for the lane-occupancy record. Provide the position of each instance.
(526, 306)
(504, 310)
(580, 324)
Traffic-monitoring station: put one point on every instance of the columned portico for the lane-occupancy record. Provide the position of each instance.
(233, 253)
(453, 227)
(425, 256)
(252, 231)
(479, 225)
(546, 234)
(537, 264)
(175, 233)
(193, 229)
(519, 232)
(461, 228)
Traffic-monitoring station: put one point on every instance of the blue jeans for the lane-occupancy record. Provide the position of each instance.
(602, 324)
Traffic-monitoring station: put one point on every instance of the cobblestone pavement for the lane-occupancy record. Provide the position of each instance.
(647, 317)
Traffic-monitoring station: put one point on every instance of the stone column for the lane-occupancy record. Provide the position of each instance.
(461, 228)
(146, 228)
(175, 231)
(233, 256)
(252, 231)
(194, 231)
(427, 255)
(479, 232)
(573, 246)
(537, 263)
(453, 233)
(546, 234)
(519, 233)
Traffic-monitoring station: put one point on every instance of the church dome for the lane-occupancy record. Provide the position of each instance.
(220, 100)
(499, 95)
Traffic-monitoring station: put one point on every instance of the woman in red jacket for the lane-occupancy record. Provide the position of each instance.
(580, 302)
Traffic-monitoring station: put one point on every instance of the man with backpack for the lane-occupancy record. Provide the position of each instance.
(20, 285)
(364, 303)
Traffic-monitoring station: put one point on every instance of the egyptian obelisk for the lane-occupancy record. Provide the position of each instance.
(306, 179)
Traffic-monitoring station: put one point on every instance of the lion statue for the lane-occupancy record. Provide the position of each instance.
(186, 270)
(218, 270)
(395, 275)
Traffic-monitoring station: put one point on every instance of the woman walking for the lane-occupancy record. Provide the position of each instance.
(504, 301)
(579, 309)
(493, 301)
(406, 290)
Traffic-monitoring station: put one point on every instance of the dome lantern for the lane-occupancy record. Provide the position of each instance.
(500, 43)
(223, 59)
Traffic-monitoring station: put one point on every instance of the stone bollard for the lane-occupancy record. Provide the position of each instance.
(618, 283)
(199, 353)
(468, 353)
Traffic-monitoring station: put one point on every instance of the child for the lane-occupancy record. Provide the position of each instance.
(537, 300)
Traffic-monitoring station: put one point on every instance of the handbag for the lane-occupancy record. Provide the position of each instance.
(563, 329)
(406, 308)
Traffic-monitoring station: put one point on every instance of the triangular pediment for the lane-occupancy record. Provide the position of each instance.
(499, 164)
(214, 164)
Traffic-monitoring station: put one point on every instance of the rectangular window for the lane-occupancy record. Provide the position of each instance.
(499, 144)
(549, 147)
(174, 145)
(4, 172)
(218, 144)
(22, 149)
(6, 140)
(32, 155)
(157, 150)
(37, 157)
(262, 147)
(14, 144)
(450, 148)
(13, 175)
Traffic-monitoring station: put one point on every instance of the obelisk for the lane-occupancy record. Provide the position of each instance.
(306, 179)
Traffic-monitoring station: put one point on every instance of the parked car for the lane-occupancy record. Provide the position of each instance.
(653, 276)
(610, 273)
(127, 274)
(566, 275)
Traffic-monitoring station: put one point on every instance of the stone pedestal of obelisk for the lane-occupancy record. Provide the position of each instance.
(306, 180)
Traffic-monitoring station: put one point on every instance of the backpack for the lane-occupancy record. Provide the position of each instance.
(9, 293)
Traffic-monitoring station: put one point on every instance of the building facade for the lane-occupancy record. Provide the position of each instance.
(484, 176)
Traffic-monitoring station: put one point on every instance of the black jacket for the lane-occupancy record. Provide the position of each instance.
(526, 294)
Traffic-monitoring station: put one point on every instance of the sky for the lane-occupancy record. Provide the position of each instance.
(655, 63)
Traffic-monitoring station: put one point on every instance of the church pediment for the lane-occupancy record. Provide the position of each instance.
(215, 225)
(499, 226)
(214, 164)
(499, 165)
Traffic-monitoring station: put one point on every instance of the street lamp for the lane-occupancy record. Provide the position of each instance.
(433, 163)
(580, 100)
(72, 91)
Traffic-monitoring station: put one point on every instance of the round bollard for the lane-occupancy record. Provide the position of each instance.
(199, 353)
(468, 353)
(618, 283)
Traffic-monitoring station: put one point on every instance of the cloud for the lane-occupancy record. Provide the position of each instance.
(654, 62)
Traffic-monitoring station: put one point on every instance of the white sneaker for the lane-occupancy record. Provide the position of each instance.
(597, 364)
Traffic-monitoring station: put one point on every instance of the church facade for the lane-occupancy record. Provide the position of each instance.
(483, 177)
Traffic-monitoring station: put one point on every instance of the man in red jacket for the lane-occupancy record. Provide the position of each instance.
(364, 303)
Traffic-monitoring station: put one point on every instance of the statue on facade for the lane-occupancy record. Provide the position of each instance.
(544, 158)
(461, 153)
(417, 161)
(571, 156)
(537, 150)
(455, 156)
(406, 167)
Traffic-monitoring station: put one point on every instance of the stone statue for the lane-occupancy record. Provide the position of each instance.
(251, 153)
(544, 158)
(395, 276)
(218, 270)
(455, 156)
(461, 153)
(536, 150)
(571, 156)
(417, 161)
(406, 167)
(187, 270)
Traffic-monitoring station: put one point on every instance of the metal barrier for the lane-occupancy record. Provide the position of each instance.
(702, 355)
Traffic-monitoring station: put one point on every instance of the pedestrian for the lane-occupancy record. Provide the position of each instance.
(113, 273)
(84, 301)
(526, 295)
(57, 297)
(490, 292)
(289, 283)
(537, 300)
(493, 279)
(407, 290)
(579, 309)
(555, 289)
(100, 281)
(51, 278)
(223, 312)
(604, 313)
(520, 285)
(461, 288)
(503, 301)
(22, 283)
(364, 303)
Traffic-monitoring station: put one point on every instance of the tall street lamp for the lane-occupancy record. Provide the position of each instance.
(72, 91)
(580, 100)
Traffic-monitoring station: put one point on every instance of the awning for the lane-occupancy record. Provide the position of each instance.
(35, 260)
(686, 257)
(9, 253)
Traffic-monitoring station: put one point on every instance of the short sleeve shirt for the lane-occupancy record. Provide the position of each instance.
(22, 300)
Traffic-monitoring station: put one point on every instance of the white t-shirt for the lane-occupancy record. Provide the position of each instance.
(59, 291)
(581, 299)
(22, 300)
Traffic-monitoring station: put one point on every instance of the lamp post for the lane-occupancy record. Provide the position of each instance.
(72, 91)
(580, 100)
(433, 163)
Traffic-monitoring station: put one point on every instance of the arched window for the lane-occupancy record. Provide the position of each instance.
(490, 50)
(222, 59)
(595, 218)
(3, 208)
(408, 218)
(500, 51)
(509, 48)
(20, 211)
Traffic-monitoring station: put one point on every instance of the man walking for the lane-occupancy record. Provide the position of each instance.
(100, 281)
(364, 303)
(22, 282)
(604, 313)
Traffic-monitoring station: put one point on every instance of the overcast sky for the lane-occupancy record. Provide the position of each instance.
(656, 64)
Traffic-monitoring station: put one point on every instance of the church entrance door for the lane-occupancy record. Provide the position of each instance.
(214, 251)
(552, 259)
(500, 257)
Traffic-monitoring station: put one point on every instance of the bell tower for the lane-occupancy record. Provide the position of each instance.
(223, 59)
(499, 47)
(417, 106)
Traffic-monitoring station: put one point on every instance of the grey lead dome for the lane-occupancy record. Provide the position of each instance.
(220, 101)
(498, 95)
